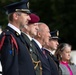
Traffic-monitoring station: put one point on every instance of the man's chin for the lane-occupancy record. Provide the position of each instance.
(35, 34)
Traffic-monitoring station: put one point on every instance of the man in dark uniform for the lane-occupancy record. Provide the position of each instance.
(40, 40)
(51, 47)
(15, 58)
(29, 31)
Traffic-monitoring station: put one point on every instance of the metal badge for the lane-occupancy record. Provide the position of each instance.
(57, 33)
(28, 4)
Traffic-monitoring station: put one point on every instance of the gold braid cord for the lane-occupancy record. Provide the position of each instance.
(37, 63)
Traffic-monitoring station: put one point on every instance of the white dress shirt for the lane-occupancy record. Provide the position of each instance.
(14, 28)
(40, 46)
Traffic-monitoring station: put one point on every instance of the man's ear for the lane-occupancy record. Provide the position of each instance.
(15, 16)
(39, 35)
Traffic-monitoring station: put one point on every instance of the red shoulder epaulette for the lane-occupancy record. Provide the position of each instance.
(13, 41)
(2, 41)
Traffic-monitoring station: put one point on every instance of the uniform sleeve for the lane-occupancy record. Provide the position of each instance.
(9, 58)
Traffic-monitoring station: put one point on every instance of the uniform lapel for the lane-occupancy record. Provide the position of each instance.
(41, 55)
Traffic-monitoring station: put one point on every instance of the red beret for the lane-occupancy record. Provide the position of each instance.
(34, 18)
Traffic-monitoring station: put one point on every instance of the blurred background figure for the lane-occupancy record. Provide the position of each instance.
(73, 56)
(0, 57)
(63, 55)
(0, 29)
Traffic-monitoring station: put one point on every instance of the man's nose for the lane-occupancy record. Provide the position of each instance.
(29, 18)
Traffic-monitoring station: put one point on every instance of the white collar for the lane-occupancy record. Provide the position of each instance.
(40, 46)
(47, 49)
(14, 28)
(51, 52)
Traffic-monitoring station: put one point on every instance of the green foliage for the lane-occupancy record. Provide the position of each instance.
(57, 14)
(3, 16)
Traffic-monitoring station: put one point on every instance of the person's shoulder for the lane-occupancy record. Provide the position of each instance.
(5, 32)
(72, 64)
(61, 65)
(23, 34)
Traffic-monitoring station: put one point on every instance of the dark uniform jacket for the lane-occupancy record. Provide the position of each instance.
(54, 62)
(49, 64)
(46, 68)
(15, 62)
(34, 54)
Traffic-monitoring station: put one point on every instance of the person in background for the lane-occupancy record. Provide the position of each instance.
(15, 58)
(50, 48)
(30, 31)
(63, 55)
(0, 56)
(0, 29)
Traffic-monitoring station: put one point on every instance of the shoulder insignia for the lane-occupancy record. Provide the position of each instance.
(6, 32)
(13, 40)
(17, 34)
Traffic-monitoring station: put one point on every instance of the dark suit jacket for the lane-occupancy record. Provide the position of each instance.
(54, 63)
(34, 53)
(54, 66)
(13, 62)
(46, 70)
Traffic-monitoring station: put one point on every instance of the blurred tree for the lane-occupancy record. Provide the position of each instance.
(3, 16)
(57, 14)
